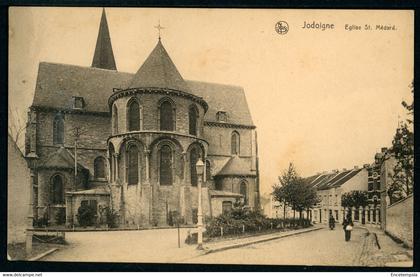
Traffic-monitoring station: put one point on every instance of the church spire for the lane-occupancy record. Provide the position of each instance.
(104, 57)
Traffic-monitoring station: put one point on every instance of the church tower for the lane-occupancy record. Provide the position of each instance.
(104, 57)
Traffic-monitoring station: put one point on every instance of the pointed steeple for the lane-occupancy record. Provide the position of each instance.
(159, 71)
(104, 57)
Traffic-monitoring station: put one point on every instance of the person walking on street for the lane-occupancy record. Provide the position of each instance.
(331, 221)
(347, 227)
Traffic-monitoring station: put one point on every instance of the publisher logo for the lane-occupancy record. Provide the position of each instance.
(282, 27)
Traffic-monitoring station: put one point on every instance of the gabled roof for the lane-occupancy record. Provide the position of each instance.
(58, 83)
(103, 57)
(95, 191)
(228, 98)
(222, 193)
(62, 158)
(329, 180)
(237, 166)
(159, 71)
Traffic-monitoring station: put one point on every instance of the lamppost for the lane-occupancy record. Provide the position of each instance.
(200, 170)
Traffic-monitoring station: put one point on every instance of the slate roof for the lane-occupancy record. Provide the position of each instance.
(159, 71)
(238, 166)
(58, 83)
(331, 180)
(95, 191)
(104, 56)
(62, 158)
(222, 193)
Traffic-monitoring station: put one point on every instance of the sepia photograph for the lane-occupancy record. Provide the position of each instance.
(211, 136)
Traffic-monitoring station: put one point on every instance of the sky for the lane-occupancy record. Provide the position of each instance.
(323, 100)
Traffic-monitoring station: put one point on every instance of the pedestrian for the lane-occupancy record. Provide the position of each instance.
(347, 227)
(331, 222)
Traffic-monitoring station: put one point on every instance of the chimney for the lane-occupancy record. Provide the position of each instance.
(356, 167)
(383, 149)
(365, 165)
(344, 169)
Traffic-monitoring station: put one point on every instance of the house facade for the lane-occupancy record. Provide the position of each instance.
(131, 142)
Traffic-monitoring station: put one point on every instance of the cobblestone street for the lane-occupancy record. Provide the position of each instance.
(321, 247)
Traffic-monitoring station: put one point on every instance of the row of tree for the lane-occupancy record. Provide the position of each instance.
(294, 192)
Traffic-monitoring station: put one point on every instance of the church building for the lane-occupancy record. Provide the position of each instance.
(100, 137)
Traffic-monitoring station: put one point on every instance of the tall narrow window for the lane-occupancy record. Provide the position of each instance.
(115, 119)
(244, 191)
(133, 165)
(57, 190)
(133, 116)
(208, 171)
(193, 170)
(112, 162)
(166, 116)
(58, 132)
(235, 143)
(193, 114)
(165, 166)
(99, 168)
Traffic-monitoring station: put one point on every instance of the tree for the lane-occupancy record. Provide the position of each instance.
(403, 151)
(282, 190)
(354, 199)
(16, 127)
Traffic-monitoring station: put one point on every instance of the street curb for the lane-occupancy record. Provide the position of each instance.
(232, 246)
(42, 255)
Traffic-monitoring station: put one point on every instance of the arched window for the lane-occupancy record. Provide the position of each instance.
(208, 171)
(58, 132)
(99, 168)
(166, 116)
(57, 190)
(115, 119)
(133, 165)
(234, 144)
(133, 116)
(193, 161)
(165, 166)
(244, 191)
(193, 115)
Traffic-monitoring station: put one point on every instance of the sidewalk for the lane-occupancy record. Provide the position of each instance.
(382, 251)
(229, 244)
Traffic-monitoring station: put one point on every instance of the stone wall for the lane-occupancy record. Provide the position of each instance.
(232, 184)
(219, 139)
(18, 184)
(150, 112)
(399, 220)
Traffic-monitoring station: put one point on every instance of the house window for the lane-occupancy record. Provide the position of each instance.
(208, 171)
(78, 102)
(234, 144)
(57, 190)
(58, 126)
(244, 191)
(133, 165)
(336, 215)
(99, 168)
(115, 119)
(166, 116)
(133, 116)
(226, 207)
(221, 116)
(193, 115)
(193, 161)
(111, 161)
(165, 166)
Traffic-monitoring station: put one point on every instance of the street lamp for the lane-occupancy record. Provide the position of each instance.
(200, 170)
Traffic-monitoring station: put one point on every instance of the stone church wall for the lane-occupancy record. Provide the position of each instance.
(149, 104)
(219, 139)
